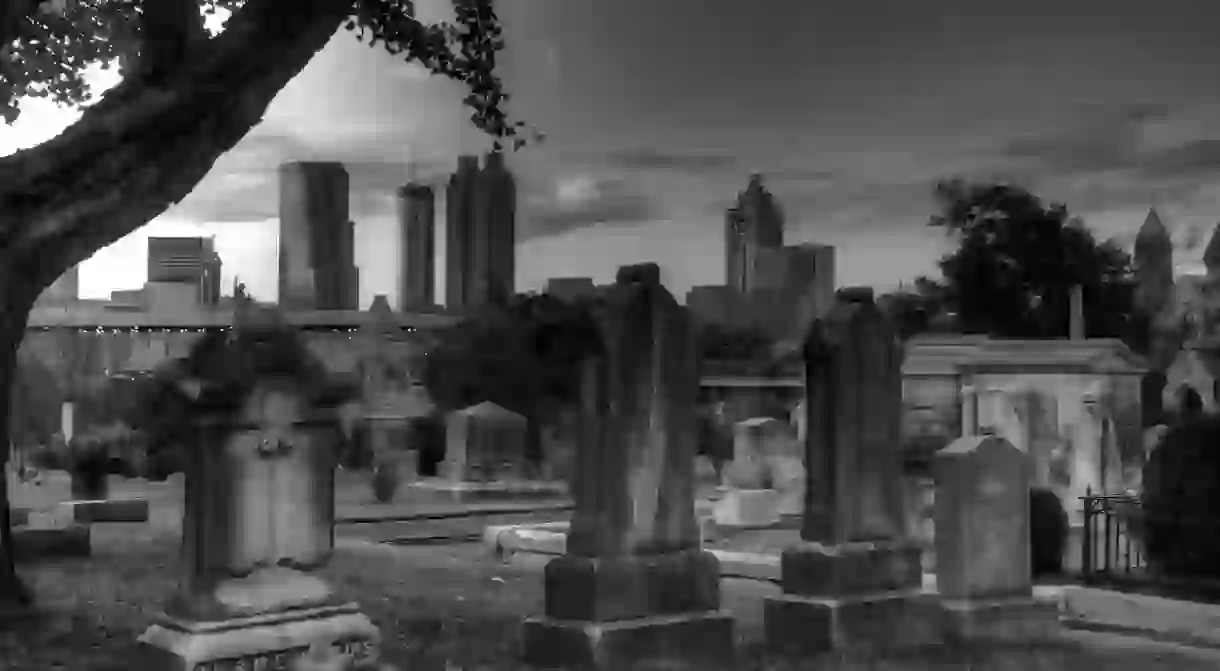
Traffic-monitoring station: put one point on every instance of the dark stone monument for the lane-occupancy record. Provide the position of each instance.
(634, 583)
(855, 579)
(259, 510)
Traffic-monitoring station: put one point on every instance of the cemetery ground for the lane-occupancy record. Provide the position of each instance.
(444, 606)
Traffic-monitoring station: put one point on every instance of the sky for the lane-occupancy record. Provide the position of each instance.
(657, 111)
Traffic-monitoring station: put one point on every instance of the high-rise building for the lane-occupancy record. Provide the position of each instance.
(63, 291)
(417, 217)
(1154, 265)
(799, 283)
(480, 255)
(187, 261)
(316, 239)
(571, 289)
(459, 225)
(754, 223)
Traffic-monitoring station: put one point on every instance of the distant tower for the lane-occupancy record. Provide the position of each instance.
(316, 238)
(459, 224)
(755, 222)
(416, 217)
(480, 212)
(495, 235)
(1154, 266)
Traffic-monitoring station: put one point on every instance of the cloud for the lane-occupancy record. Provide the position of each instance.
(652, 159)
(580, 201)
(1095, 139)
(1193, 159)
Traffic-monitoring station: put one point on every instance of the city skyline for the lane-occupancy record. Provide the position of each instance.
(655, 115)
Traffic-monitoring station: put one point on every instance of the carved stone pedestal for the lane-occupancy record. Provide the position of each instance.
(268, 641)
(606, 613)
(850, 595)
(1013, 620)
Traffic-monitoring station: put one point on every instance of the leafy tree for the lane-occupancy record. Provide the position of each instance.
(525, 356)
(1017, 260)
(718, 342)
(914, 310)
(35, 403)
(186, 97)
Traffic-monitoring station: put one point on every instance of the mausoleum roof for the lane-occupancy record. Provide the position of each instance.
(489, 410)
(942, 356)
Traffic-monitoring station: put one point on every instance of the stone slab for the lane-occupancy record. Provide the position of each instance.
(270, 641)
(470, 492)
(748, 508)
(814, 569)
(1197, 623)
(31, 544)
(692, 640)
(624, 587)
(1013, 620)
(91, 512)
(802, 625)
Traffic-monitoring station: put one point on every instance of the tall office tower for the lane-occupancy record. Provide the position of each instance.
(315, 245)
(191, 261)
(63, 291)
(1154, 265)
(754, 223)
(481, 236)
(417, 217)
(495, 234)
(459, 225)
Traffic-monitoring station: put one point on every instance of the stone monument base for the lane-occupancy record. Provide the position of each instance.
(700, 640)
(605, 612)
(850, 595)
(748, 508)
(271, 641)
(32, 543)
(461, 491)
(1010, 620)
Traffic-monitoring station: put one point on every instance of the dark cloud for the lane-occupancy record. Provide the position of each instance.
(610, 201)
(1194, 159)
(1096, 139)
(652, 159)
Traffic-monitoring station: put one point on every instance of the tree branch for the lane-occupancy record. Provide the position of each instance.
(146, 144)
(12, 16)
(170, 30)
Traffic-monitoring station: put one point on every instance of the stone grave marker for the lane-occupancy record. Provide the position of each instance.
(634, 583)
(484, 442)
(258, 510)
(855, 579)
(983, 571)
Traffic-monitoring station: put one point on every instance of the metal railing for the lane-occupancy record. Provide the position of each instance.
(1113, 536)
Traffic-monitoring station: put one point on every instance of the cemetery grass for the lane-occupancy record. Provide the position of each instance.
(438, 607)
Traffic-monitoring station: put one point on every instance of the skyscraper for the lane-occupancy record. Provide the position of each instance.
(416, 217)
(480, 255)
(459, 225)
(316, 238)
(192, 261)
(1154, 265)
(754, 223)
(495, 234)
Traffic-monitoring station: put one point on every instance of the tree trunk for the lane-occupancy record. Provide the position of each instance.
(15, 304)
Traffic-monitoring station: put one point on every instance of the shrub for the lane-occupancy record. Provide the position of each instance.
(1048, 529)
(385, 482)
(89, 463)
(1180, 498)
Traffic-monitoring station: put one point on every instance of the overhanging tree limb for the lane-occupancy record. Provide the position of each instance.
(146, 144)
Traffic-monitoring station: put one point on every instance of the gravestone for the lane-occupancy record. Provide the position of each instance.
(484, 442)
(983, 571)
(765, 480)
(258, 510)
(855, 579)
(634, 583)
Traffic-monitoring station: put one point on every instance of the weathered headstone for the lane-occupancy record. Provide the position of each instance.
(765, 480)
(259, 511)
(634, 583)
(484, 442)
(983, 571)
(855, 579)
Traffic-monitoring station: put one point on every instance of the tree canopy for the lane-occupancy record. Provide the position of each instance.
(1017, 259)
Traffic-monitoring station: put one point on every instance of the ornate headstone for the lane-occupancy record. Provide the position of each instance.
(259, 509)
(856, 577)
(634, 582)
(983, 568)
(484, 442)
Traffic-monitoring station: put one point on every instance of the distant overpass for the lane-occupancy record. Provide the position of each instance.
(48, 318)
